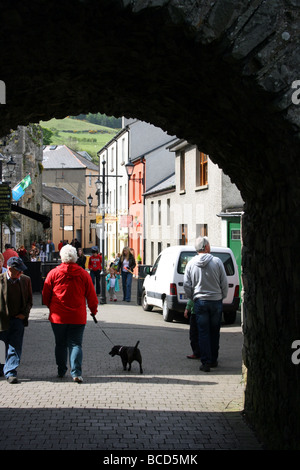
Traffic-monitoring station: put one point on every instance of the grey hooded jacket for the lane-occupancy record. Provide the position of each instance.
(205, 278)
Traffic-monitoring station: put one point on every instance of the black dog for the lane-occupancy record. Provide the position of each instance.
(128, 354)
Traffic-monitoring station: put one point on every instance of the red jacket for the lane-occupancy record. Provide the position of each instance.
(65, 291)
(95, 262)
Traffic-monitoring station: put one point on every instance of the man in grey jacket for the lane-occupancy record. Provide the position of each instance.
(205, 282)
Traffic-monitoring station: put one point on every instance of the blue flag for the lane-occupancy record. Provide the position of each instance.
(19, 190)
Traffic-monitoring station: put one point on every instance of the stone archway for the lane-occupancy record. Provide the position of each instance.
(220, 75)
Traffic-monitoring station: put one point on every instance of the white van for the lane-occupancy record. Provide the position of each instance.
(163, 286)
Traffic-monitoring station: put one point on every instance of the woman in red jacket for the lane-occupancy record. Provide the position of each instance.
(66, 290)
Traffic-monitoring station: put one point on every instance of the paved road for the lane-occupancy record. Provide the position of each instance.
(171, 407)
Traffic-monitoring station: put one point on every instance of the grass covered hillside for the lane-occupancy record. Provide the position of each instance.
(77, 134)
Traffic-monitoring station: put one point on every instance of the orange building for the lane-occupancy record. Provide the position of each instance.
(136, 185)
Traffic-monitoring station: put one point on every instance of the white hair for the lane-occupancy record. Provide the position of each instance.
(201, 243)
(68, 254)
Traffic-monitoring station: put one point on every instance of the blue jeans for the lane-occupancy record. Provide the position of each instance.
(13, 339)
(208, 317)
(95, 275)
(126, 284)
(68, 338)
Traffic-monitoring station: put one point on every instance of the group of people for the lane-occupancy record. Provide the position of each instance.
(121, 267)
(68, 289)
(42, 251)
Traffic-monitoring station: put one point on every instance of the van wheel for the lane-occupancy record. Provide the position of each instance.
(168, 314)
(145, 305)
(229, 317)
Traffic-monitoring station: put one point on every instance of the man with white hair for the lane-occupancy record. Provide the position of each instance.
(205, 282)
(66, 290)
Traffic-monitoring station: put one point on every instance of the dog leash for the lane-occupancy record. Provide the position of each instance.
(96, 321)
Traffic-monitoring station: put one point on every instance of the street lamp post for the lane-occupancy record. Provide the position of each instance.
(102, 274)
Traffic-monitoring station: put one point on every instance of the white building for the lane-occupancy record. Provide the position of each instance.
(112, 158)
(199, 199)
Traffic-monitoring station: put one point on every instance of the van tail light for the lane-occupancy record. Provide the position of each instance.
(237, 291)
(173, 289)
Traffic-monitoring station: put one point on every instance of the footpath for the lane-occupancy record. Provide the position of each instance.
(171, 407)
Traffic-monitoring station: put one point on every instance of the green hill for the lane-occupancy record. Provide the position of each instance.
(79, 135)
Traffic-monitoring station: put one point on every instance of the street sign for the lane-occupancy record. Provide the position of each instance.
(5, 198)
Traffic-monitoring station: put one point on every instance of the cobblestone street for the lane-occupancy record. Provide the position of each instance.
(171, 406)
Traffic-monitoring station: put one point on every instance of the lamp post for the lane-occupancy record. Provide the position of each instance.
(102, 274)
(90, 201)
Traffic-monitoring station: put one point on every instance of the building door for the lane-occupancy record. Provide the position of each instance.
(234, 243)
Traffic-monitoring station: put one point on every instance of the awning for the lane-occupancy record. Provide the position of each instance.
(44, 219)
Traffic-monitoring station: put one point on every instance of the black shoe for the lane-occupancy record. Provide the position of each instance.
(205, 367)
(12, 380)
(214, 364)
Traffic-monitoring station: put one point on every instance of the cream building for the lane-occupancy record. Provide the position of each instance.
(189, 203)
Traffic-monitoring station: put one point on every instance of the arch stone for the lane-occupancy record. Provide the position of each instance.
(221, 74)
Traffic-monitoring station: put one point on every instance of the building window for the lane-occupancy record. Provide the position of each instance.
(159, 248)
(201, 169)
(201, 230)
(112, 156)
(133, 188)
(183, 235)
(92, 223)
(152, 213)
(235, 234)
(168, 211)
(159, 212)
(61, 216)
(182, 171)
(140, 186)
(123, 151)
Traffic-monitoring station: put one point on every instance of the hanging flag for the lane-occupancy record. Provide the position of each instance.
(19, 190)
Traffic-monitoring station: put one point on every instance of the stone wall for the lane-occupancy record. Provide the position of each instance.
(25, 146)
(218, 74)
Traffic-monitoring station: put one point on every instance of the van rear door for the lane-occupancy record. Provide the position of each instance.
(184, 258)
(153, 284)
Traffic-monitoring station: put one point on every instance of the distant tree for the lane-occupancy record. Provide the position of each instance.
(100, 119)
(47, 136)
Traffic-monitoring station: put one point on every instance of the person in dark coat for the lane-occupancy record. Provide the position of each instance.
(15, 306)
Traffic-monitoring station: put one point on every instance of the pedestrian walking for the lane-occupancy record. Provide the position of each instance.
(15, 306)
(66, 290)
(95, 266)
(205, 282)
(126, 266)
(81, 260)
(50, 248)
(112, 283)
(9, 252)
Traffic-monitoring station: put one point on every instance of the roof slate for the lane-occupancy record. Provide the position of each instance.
(60, 196)
(63, 157)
